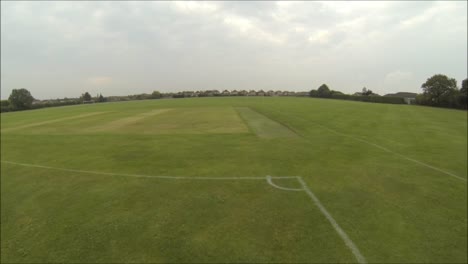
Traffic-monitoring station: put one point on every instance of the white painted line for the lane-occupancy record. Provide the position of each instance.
(142, 176)
(398, 154)
(269, 180)
(383, 148)
(354, 249)
(432, 167)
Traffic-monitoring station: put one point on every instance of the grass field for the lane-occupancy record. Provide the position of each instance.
(187, 180)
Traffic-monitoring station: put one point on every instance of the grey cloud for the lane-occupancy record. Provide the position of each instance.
(58, 49)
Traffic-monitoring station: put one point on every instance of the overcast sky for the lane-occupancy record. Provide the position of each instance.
(62, 49)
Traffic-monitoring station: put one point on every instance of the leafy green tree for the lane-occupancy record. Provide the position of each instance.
(101, 98)
(86, 97)
(323, 91)
(440, 90)
(313, 93)
(156, 95)
(21, 99)
(4, 106)
(463, 94)
(333, 92)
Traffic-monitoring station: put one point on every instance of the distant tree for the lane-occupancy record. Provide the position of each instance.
(101, 98)
(313, 93)
(20, 99)
(5, 106)
(463, 94)
(333, 92)
(156, 95)
(323, 91)
(366, 92)
(86, 97)
(440, 90)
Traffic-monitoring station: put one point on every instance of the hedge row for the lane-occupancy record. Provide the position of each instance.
(371, 99)
(7, 107)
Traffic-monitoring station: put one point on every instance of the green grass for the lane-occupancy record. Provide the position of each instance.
(262, 126)
(392, 208)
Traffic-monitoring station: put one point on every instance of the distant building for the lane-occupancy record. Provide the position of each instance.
(408, 97)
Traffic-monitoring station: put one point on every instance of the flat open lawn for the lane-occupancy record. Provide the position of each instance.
(187, 180)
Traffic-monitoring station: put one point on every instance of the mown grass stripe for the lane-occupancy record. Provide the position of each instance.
(51, 121)
(263, 126)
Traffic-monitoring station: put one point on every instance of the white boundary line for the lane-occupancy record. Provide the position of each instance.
(137, 175)
(348, 242)
(393, 152)
(383, 148)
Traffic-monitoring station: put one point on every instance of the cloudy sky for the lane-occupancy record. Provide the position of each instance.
(62, 49)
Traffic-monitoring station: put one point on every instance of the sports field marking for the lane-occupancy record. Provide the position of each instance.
(138, 175)
(52, 121)
(127, 120)
(383, 148)
(263, 126)
(348, 242)
(270, 181)
(393, 152)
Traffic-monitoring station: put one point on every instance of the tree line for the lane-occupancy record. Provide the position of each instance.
(21, 99)
(438, 90)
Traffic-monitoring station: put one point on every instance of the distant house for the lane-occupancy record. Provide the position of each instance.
(408, 97)
(252, 93)
(189, 94)
(409, 100)
(278, 93)
(302, 94)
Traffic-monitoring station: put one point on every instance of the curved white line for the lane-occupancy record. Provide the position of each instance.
(269, 180)
(349, 243)
(305, 188)
(139, 175)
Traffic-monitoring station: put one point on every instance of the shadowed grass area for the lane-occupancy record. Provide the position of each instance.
(393, 209)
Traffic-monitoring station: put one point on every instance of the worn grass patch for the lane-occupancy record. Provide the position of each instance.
(187, 120)
(263, 126)
(126, 121)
